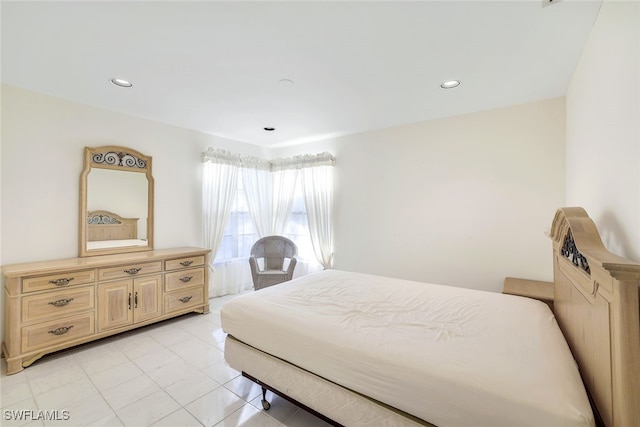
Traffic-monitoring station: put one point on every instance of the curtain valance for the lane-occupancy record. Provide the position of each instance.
(224, 157)
(218, 155)
(303, 161)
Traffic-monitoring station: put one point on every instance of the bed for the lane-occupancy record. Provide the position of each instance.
(358, 349)
(107, 229)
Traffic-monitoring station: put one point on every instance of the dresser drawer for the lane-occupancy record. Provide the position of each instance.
(57, 331)
(58, 303)
(177, 264)
(184, 278)
(129, 270)
(181, 300)
(56, 281)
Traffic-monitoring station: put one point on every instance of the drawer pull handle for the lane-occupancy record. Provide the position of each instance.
(135, 300)
(133, 270)
(61, 331)
(129, 300)
(185, 299)
(185, 279)
(61, 302)
(61, 282)
(186, 263)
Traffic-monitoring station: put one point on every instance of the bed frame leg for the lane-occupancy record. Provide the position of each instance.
(265, 404)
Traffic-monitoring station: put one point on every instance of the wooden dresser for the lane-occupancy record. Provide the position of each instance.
(54, 305)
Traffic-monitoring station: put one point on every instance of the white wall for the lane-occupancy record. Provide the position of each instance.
(42, 145)
(462, 201)
(603, 128)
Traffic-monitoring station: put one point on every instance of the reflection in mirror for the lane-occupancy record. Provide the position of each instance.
(116, 208)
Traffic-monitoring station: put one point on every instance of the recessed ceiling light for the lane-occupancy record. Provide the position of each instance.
(121, 82)
(269, 129)
(450, 84)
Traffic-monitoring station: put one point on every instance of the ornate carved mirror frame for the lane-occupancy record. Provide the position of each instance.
(107, 224)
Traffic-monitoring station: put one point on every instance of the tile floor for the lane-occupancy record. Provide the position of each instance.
(169, 374)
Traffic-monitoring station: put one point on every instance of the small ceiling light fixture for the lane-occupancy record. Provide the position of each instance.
(121, 82)
(450, 84)
(269, 129)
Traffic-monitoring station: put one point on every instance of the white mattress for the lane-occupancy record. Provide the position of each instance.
(450, 356)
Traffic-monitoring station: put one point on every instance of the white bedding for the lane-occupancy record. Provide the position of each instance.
(103, 244)
(450, 356)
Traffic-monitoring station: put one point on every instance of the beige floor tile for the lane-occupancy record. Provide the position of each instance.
(198, 353)
(248, 416)
(15, 392)
(50, 374)
(83, 413)
(221, 372)
(22, 413)
(280, 409)
(99, 358)
(172, 372)
(66, 395)
(246, 389)
(109, 378)
(148, 410)
(131, 391)
(215, 406)
(155, 360)
(302, 418)
(180, 418)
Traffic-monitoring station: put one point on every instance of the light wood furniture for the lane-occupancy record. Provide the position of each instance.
(106, 225)
(123, 164)
(54, 305)
(536, 289)
(597, 306)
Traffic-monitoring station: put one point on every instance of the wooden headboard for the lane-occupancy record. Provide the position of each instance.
(597, 305)
(105, 225)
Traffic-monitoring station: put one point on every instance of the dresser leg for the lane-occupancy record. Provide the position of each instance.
(14, 366)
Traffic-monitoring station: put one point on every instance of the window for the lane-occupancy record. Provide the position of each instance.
(240, 233)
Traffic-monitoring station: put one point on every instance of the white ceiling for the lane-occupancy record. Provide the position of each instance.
(218, 67)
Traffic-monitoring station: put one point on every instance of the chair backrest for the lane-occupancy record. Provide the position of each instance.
(274, 250)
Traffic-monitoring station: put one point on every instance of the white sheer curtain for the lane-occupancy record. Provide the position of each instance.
(258, 186)
(219, 187)
(284, 185)
(317, 182)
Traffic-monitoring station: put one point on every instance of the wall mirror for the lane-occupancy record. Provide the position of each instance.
(116, 201)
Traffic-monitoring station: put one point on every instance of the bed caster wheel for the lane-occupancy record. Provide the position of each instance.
(265, 404)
